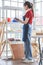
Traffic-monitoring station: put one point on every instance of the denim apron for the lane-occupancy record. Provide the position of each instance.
(25, 31)
(27, 39)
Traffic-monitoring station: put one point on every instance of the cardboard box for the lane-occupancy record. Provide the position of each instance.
(17, 50)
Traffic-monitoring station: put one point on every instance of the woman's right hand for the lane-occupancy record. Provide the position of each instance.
(16, 19)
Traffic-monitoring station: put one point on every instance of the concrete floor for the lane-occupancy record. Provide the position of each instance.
(17, 62)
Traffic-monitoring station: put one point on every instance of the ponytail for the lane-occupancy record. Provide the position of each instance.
(32, 8)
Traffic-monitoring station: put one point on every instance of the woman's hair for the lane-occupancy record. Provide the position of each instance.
(30, 5)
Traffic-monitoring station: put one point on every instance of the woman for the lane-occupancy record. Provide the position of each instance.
(27, 28)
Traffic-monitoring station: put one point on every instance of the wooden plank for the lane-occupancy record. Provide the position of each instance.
(1, 35)
(39, 33)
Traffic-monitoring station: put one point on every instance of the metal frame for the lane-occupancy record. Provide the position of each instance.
(40, 52)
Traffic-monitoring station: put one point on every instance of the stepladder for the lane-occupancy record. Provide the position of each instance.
(2, 41)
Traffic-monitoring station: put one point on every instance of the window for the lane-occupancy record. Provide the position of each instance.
(12, 13)
(6, 3)
(37, 9)
(8, 13)
(1, 12)
(42, 8)
(17, 13)
(20, 14)
(42, 20)
(14, 0)
(38, 21)
(20, 5)
(38, 14)
(0, 3)
(14, 4)
(4, 13)
(37, 0)
(20, 0)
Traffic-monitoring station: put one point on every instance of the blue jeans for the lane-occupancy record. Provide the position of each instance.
(27, 29)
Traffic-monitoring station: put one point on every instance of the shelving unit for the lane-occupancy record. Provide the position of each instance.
(10, 33)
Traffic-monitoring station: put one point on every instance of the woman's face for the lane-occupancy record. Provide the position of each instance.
(26, 7)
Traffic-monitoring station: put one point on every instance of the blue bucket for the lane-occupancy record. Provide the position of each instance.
(14, 20)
